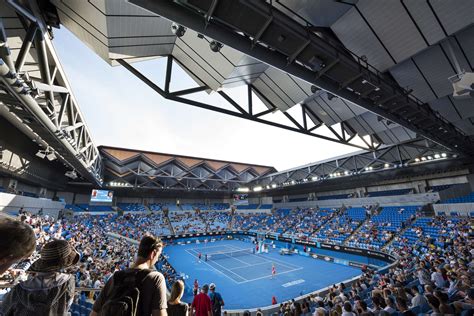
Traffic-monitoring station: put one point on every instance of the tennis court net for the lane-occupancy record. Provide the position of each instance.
(230, 254)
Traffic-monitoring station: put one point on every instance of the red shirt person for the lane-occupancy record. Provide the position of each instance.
(202, 303)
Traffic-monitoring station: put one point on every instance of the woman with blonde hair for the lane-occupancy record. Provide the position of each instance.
(175, 306)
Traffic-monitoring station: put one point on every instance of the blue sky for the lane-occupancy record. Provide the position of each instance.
(122, 111)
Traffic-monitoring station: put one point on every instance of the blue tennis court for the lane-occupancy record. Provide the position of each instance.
(245, 280)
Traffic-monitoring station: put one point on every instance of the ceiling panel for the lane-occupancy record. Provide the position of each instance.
(465, 39)
(464, 106)
(455, 14)
(356, 36)
(466, 125)
(426, 20)
(393, 25)
(445, 108)
(437, 76)
(311, 10)
(409, 77)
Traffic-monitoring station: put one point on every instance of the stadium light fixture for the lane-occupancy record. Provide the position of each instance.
(178, 29)
(314, 178)
(417, 159)
(444, 155)
(257, 189)
(215, 46)
(429, 158)
(293, 182)
(274, 185)
(386, 165)
(437, 156)
(243, 189)
(346, 173)
(51, 156)
(41, 154)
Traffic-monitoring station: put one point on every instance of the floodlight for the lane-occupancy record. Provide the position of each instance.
(178, 29)
(41, 154)
(257, 189)
(314, 89)
(437, 156)
(51, 156)
(443, 155)
(423, 158)
(71, 174)
(417, 159)
(429, 158)
(215, 46)
(242, 189)
(387, 165)
(274, 185)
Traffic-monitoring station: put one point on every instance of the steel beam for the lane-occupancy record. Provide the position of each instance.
(241, 111)
(233, 35)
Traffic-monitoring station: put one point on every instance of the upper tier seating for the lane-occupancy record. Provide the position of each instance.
(247, 207)
(306, 221)
(340, 227)
(187, 222)
(439, 188)
(84, 207)
(462, 199)
(295, 199)
(132, 207)
(380, 229)
(334, 197)
(155, 207)
(216, 221)
(220, 206)
(187, 207)
(436, 228)
(389, 192)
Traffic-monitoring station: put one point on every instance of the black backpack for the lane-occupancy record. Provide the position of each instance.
(216, 305)
(124, 297)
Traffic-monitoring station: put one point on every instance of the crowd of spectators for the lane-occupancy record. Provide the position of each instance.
(434, 271)
(428, 280)
(100, 253)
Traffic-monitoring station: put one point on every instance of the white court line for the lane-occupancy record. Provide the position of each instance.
(221, 248)
(241, 277)
(210, 247)
(269, 276)
(288, 265)
(253, 265)
(221, 272)
(247, 264)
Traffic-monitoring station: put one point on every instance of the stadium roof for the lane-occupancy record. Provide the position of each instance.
(364, 73)
(148, 170)
(403, 46)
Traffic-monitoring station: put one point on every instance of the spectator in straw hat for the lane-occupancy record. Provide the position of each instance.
(49, 291)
